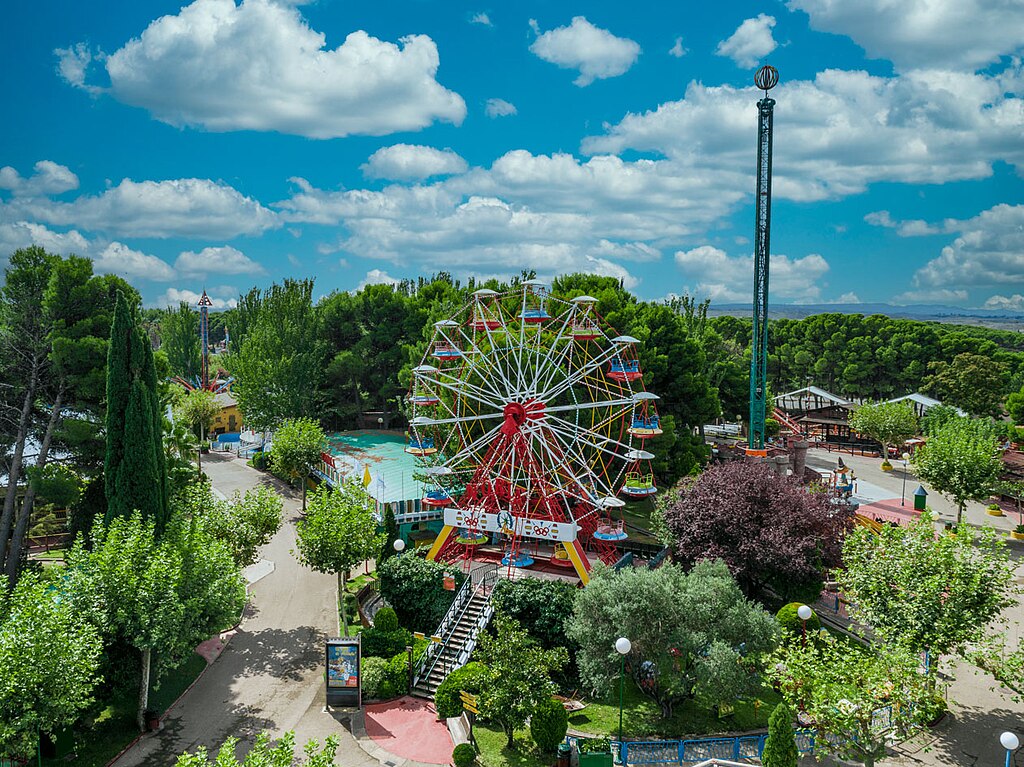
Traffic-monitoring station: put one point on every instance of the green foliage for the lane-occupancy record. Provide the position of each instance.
(840, 688)
(973, 382)
(198, 408)
(690, 632)
(470, 678)
(923, 591)
(134, 468)
(374, 672)
(961, 461)
(780, 746)
(386, 619)
(245, 523)
(338, 533)
(790, 622)
(542, 607)
(179, 339)
(263, 754)
(391, 534)
(395, 681)
(520, 675)
(48, 657)
(548, 725)
(385, 644)
(890, 423)
(298, 443)
(463, 755)
(415, 588)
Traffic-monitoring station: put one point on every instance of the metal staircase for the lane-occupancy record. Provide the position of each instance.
(466, 618)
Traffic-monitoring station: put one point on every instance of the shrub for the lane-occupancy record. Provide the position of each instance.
(790, 621)
(385, 644)
(374, 671)
(780, 747)
(548, 725)
(386, 619)
(395, 679)
(541, 607)
(463, 755)
(593, 745)
(414, 587)
(470, 678)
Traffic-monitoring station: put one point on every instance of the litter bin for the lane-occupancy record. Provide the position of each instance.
(564, 755)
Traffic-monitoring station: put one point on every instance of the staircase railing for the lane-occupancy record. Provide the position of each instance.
(482, 581)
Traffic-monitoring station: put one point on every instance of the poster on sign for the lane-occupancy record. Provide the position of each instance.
(503, 522)
(343, 672)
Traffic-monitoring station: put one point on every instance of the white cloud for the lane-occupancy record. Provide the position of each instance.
(934, 296)
(481, 18)
(595, 52)
(188, 207)
(377, 277)
(406, 162)
(847, 298)
(988, 251)
(911, 228)
(21, 234)
(751, 41)
(839, 133)
(49, 179)
(118, 258)
(259, 66)
(73, 65)
(677, 49)
(174, 296)
(723, 278)
(499, 108)
(960, 34)
(221, 260)
(1014, 303)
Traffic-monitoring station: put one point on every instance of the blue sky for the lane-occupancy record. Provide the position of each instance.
(225, 144)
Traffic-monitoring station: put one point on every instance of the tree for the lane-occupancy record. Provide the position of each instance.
(262, 754)
(858, 700)
(338, 533)
(1015, 406)
(135, 465)
(391, 534)
(297, 446)
(926, 592)
(160, 597)
(974, 382)
(415, 588)
(179, 338)
(780, 745)
(541, 607)
(520, 676)
(693, 634)
(766, 528)
(48, 658)
(890, 423)
(548, 725)
(961, 461)
(245, 523)
(198, 408)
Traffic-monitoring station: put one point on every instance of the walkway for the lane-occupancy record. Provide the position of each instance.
(270, 677)
(408, 727)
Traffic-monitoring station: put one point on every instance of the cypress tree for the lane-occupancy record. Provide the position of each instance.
(780, 746)
(134, 470)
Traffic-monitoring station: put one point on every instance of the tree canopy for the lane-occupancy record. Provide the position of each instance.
(298, 443)
(974, 382)
(891, 423)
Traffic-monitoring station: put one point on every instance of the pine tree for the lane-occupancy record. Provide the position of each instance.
(780, 746)
(134, 465)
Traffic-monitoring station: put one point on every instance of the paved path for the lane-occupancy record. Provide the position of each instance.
(270, 677)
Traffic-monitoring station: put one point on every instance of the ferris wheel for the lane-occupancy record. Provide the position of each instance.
(530, 417)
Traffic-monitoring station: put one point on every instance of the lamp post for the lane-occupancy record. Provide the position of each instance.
(1010, 742)
(903, 492)
(622, 647)
(399, 546)
(804, 613)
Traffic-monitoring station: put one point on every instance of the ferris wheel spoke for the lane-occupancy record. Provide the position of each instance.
(597, 442)
(464, 389)
(462, 419)
(583, 468)
(469, 449)
(556, 462)
(580, 373)
(589, 405)
(594, 427)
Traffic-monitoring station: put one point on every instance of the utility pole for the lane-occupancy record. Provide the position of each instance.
(766, 78)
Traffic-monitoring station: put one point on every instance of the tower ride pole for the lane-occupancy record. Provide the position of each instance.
(204, 340)
(766, 78)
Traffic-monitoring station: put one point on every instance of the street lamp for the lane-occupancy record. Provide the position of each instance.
(399, 545)
(903, 492)
(622, 647)
(1010, 742)
(804, 613)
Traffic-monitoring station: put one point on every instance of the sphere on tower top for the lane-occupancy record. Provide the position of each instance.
(767, 77)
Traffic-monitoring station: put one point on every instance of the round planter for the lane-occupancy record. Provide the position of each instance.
(994, 512)
(886, 467)
(1016, 536)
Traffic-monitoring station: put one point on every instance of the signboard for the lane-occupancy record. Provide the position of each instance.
(343, 672)
(469, 702)
(504, 522)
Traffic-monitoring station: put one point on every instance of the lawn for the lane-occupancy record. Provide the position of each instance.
(490, 741)
(642, 717)
(99, 740)
(638, 514)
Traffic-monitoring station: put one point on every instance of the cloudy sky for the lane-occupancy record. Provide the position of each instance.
(226, 144)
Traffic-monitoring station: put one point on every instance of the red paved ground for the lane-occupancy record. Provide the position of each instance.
(408, 727)
(889, 511)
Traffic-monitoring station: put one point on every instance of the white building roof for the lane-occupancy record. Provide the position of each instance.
(815, 391)
(924, 401)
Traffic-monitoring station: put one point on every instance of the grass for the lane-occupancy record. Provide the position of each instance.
(490, 741)
(642, 716)
(638, 513)
(99, 740)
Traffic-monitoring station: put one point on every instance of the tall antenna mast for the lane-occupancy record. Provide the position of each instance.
(204, 340)
(766, 78)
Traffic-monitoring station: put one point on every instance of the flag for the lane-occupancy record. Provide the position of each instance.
(367, 479)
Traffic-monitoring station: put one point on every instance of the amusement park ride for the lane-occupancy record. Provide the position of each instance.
(530, 417)
(203, 380)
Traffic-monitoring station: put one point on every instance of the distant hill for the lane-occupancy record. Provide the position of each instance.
(992, 318)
